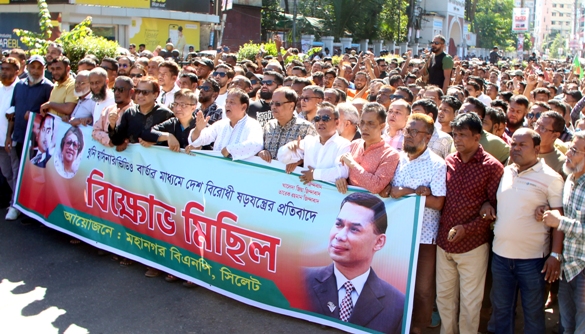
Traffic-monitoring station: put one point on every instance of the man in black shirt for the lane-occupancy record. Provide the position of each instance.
(260, 109)
(137, 121)
(494, 56)
(175, 131)
(441, 64)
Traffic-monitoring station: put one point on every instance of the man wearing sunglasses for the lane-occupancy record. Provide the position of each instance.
(441, 64)
(123, 92)
(319, 155)
(124, 65)
(223, 74)
(260, 109)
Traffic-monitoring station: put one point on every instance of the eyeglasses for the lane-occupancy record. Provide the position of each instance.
(107, 68)
(324, 118)
(413, 132)
(436, 43)
(278, 104)
(221, 74)
(72, 143)
(574, 150)
(205, 88)
(396, 97)
(540, 128)
(308, 98)
(532, 115)
(118, 89)
(139, 75)
(181, 105)
(267, 82)
(143, 91)
(254, 82)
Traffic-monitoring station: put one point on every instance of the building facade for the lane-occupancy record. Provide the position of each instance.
(553, 17)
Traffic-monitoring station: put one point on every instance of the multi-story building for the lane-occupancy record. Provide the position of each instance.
(553, 17)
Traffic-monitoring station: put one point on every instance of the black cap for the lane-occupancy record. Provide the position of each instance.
(206, 62)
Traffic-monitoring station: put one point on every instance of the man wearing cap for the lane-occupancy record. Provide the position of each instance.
(204, 68)
(9, 77)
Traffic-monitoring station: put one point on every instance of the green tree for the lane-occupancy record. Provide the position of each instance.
(493, 24)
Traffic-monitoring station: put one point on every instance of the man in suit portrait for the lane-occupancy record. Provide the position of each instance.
(348, 289)
(44, 139)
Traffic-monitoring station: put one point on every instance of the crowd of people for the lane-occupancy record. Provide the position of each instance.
(497, 149)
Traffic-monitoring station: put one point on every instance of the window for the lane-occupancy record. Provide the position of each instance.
(562, 6)
(554, 5)
(553, 22)
(554, 14)
(561, 14)
(567, 23)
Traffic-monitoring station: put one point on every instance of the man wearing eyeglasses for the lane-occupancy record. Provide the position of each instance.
(319, 155)
(549, 126)
(285, 127)
(422, 172)
(441, 64)
(123, 92)
(223, 74)
(83, 112)
(168, 71)
(571, 222)
(310, 98)
(260, 110)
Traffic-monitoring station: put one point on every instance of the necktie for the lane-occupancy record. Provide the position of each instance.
(346, 304)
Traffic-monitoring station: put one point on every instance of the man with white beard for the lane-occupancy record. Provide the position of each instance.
(82, 114)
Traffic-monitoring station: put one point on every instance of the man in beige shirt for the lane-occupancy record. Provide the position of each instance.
(63, 100)
(549, 126)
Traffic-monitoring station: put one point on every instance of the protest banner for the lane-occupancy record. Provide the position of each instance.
(244, 229)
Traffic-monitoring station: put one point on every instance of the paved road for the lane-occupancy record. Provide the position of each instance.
(69, 289)
(48, 285)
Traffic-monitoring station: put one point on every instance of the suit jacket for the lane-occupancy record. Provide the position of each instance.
(380, 306)
(41, 163)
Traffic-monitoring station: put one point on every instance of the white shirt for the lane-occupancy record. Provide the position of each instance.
(85, 107)
(358, 285)
(167, 98)
(101, 105)
(242, 141)
(440, 142)
(6, 93)
(220, 101)
(485, 99)
(427, 170)
(323, 158)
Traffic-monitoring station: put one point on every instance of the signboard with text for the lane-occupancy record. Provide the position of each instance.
(520, 17)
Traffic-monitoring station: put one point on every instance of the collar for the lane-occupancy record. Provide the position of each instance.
(374, 146)
(478, 156)
(358, 282)
(536, 168)
(332, 139)
(288, 124)
(242, 120)
(426, 155)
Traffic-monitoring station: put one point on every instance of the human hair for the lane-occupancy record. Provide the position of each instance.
(441, 37)
(52, 124)
(152, 81)
(558, 120)
(535, 136)
(126, 80)
(564, 106)
(576, 94)
(241, 95)
(350, 113)
(61, 59)
(342, 95)
(435, 89)
(318, 75)
(186, 93)
(132, 45)
(507, 96)
(318, 91)
(541, 90)
(191, 76)
(372, 202)
(141, 45)
(73, 130)
(379, 109)
(332, 72)
(452, 102)
(542, 105)
(19, 53)
(412, 76)
(470, 121)
(479, 106)
(476, 79)
(232, 56)
(395, 79)
(521, 100)
(171, 66)
(112, 62)
(278, 78)
(429, 106)
(128, 58)
(409, 96)
(303, 81)
(87, 61)
(99, 71)
(501, 104)
(497, 116)
(12, 61)
(300, 68)
(475, 85)
(330, 107)
(56, 46)
(364, 74)
(335, 92)
(426, 119)
(289, 94)
(344, 80)
(213, 83)
(140, 67)
(230, 71)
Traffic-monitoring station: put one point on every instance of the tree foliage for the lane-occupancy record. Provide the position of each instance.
(493, 24)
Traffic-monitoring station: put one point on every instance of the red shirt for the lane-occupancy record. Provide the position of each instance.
(469, 185)
(506, 138)
(377, 165)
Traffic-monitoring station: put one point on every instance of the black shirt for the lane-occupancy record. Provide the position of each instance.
(436, 74)
(260, 111)
(135, 124)
(174, 127)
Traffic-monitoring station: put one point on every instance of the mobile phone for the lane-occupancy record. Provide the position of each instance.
(226, 49)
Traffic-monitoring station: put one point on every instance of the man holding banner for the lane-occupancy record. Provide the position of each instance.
(349, 289)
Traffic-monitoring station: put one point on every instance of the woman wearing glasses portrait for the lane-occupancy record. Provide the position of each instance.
(69, 155)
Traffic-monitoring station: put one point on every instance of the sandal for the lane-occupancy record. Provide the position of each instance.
(115, 257)
(190, 285)
(126, 262)
(151, 272)
(170, 278)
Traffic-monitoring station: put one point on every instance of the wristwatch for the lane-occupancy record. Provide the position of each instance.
(557, 256)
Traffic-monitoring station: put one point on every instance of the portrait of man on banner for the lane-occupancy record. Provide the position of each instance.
(68, 156)
(43, 140)
(349, 289)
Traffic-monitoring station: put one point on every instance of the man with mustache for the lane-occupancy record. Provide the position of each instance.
(441, 64)
(63, 99)
(102, 95)
(260, 109)
(571, 222)
(82, 114)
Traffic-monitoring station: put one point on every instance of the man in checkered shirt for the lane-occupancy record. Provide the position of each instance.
(572, 223)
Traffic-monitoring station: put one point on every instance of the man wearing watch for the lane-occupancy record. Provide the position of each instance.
(521, 242)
